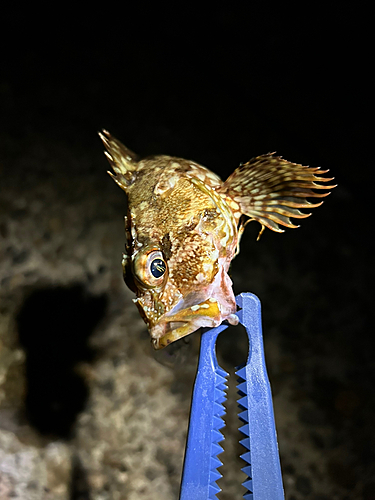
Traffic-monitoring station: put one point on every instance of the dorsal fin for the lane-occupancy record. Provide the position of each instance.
(270, 189)
(122, 160)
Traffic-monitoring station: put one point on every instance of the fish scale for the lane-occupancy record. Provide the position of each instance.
(261, 457)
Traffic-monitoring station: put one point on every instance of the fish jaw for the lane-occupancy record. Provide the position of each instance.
(190, 320)
(185, 318)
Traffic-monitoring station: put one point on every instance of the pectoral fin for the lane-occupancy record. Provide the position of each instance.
(270, 190)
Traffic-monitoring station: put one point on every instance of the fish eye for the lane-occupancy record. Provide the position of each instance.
(150, 268)
(158, 268)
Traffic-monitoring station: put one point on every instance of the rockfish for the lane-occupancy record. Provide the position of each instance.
(183, 228)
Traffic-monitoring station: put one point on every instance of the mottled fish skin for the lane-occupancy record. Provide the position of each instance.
(183, 229)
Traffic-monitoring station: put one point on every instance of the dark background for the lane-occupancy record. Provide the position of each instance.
(220, 87)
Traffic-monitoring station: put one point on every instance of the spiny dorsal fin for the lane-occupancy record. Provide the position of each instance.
(122, 160)
(270, 189)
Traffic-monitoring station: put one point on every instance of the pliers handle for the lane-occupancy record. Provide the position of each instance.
(263, 464)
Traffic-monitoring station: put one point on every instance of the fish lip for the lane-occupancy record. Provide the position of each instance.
(164, 327)
(175, 315)
(175, 325)
(188, 327)
(161, 332)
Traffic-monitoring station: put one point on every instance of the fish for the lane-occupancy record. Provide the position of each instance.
(184, 225)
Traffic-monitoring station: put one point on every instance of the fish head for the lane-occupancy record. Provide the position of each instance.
(178, 295)
(180, 239)
(177, 261)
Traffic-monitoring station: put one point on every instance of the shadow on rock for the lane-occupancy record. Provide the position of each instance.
(54, 325)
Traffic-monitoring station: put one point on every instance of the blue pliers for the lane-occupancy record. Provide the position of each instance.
(256, 412)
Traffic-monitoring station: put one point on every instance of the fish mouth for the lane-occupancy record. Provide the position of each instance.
(185, 321)
(206, 307)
